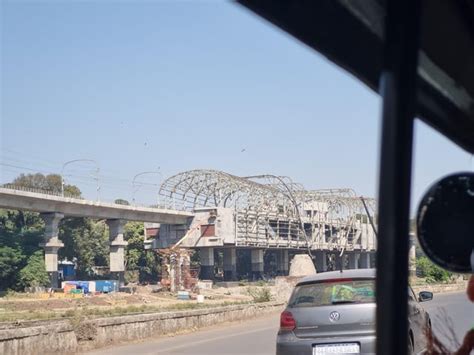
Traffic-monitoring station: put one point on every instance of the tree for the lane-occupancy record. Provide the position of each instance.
(20, 235)
(10, 263)
(50, 183)
(86, 242)
(145, 262)
(34, 273)
(121, 201)
(433, 273)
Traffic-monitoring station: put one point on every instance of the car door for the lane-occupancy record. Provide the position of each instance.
(416, 321)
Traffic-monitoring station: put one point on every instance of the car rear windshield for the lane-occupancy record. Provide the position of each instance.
(330, 292)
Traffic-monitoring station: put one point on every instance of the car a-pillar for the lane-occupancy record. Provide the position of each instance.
(117, 249)
(51, 245)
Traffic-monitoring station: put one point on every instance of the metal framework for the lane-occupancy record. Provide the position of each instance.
(274, 211)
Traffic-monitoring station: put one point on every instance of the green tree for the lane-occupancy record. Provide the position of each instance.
(146, 262)
(50, 183)
(34, 273)
(433, 273)
(86, 242)
(20, 235)
(10, 263)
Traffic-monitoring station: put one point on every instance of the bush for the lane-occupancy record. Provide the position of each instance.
(34, 273)
(433, 273)
(259, 294)
(131, 277)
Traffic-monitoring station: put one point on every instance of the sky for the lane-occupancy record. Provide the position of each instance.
(172, 86)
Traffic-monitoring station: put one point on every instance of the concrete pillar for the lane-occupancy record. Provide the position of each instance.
(364, 260)
(282, 262)
(207, 263)
(339, 261)
(257, 263)
(230, 264)
(412, 255)
(51, 245)
(117, 249)
(352, 260)
(320, 261)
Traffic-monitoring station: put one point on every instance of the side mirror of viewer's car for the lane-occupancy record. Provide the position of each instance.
(445, 223)
(424, 296)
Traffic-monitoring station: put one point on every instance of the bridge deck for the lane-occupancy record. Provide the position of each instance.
(32, 201)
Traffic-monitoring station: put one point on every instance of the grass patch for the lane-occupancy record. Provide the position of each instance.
(80, 313)
(259, 294)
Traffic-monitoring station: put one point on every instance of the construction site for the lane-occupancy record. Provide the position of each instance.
(266, 219)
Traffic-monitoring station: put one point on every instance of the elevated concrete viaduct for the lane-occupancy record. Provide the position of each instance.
(255, 214)
(53, 208)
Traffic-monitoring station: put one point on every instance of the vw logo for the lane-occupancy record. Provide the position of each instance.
(334, 316)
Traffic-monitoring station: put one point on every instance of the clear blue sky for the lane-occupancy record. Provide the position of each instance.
(185, 85)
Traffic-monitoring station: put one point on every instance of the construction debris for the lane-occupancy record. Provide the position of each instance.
(177, 274)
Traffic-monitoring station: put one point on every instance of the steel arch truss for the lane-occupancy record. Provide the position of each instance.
(274, 211)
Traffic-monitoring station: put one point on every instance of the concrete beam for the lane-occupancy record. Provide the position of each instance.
(51, 245)
(32, 201)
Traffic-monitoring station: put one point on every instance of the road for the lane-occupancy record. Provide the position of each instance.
(257, 336)
(450, 310)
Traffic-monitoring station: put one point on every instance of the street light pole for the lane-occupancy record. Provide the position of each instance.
(140, 174)
(80, 160)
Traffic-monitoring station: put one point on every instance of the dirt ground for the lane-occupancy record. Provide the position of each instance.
(24, 306)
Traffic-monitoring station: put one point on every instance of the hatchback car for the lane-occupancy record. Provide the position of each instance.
(334, 313)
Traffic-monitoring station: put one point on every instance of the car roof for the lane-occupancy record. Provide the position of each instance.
(344, 274)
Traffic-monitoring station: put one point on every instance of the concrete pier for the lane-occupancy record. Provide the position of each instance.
(283, 263)
(320, 261)
(364, 260)
(353, 259)
(51, 245)
(230, 264)
(117, 249)
(207, 263)
(257, 263)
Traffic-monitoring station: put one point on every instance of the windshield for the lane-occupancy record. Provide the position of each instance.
(189, 161)
(333, 292)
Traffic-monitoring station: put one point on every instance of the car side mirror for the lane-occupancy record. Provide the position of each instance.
(424, 296)
(445, 223)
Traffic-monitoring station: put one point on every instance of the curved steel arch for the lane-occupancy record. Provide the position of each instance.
(273, 198)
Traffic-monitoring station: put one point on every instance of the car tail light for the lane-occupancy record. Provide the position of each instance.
(287, 322)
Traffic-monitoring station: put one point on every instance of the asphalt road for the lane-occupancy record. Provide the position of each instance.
(450, 311)
(257, 336)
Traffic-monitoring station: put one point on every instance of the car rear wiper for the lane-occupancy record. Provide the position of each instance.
(342, 302)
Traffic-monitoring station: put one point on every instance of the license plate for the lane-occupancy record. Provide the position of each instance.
(341, 348)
